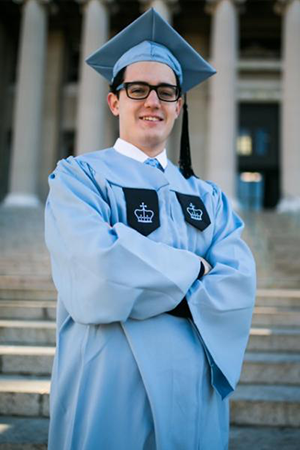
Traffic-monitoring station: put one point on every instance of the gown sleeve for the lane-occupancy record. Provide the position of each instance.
(107, 273)
(221, 303)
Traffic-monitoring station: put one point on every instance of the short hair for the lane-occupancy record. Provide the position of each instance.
(119, 78)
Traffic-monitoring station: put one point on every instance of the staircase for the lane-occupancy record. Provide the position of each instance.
(265, 409)
(268, 394)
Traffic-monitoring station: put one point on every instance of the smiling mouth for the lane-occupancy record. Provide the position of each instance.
(151, 119)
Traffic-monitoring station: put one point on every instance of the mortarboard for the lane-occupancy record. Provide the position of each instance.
(151, 38)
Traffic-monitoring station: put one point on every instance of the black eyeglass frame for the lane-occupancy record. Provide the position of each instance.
(152, 87)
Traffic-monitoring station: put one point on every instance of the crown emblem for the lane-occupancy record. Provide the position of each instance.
(196, 214)
(144, 215)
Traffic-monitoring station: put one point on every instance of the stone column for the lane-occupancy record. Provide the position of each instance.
(92, 105)
(221, 159)
(162, 8)
(28, 105)
(52, 111)
(5, 53)
(290, 142)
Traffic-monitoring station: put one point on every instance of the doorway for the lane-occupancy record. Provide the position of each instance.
(258, 156)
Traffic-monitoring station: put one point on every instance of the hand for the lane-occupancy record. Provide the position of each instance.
(207, 266)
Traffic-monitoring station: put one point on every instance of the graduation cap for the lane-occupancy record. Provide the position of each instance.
(151, 38)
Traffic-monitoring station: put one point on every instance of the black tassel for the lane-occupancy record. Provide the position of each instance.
(185, 161)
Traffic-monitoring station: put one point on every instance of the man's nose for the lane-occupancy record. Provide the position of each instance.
(152, 99)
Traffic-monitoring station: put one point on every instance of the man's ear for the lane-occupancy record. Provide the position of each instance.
(113, 103)
(179, 106)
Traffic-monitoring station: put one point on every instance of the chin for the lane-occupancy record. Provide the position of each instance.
(154, 137)
(153, 141)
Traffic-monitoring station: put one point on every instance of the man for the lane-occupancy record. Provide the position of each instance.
(155, 286)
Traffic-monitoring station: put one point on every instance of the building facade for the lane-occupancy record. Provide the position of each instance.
(244, 121)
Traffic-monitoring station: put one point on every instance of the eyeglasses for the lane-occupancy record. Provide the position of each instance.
(138, 90)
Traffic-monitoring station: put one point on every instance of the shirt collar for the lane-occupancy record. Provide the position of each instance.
(131, 151)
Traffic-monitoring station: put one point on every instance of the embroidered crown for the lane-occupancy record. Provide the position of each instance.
(144, 215)
(195, 214)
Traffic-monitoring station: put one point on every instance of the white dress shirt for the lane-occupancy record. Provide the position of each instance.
(133, 152)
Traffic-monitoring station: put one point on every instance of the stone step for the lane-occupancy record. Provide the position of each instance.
(274, 340)
(264, 438)
(26, 271)
(278, 297)
(26, 282)
(278, 281)
(27, 433)
(26, 360)
(36, 332)
(43, 293)
(23, 433)
(43, 309)
(25, 268)
(21, 396)
(21, 259)
(266, 406)
(42, 332)
(250, 405)
(271, 368)
(275, 316)
(21, 267)
(28, 309)
(258, 368)
(35, 289)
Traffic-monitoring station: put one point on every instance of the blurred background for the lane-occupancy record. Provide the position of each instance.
(245, 136)
(244, 122)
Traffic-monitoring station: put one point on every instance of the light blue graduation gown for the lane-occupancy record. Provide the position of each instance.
(127, 375)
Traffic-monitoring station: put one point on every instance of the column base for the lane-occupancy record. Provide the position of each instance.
(22, 200)
(289, 204)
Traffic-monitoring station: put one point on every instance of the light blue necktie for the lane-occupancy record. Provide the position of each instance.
(153, 162)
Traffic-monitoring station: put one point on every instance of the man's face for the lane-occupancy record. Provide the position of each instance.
(146, 123)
